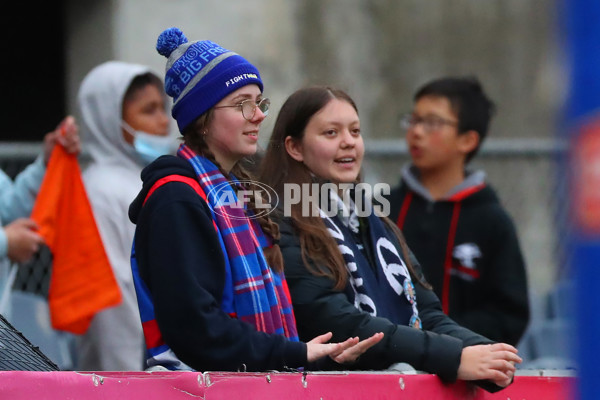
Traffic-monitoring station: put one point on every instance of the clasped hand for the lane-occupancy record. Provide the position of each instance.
(494, 362)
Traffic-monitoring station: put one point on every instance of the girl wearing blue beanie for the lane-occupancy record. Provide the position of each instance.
(206, 264)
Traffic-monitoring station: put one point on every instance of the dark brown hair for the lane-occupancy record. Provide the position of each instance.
(278, 167)
(193, 137)
(140, 82)
(470, 103)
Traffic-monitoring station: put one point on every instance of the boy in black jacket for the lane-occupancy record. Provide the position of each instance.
(452, 219)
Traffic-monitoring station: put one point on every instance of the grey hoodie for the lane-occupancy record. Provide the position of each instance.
(112, 180)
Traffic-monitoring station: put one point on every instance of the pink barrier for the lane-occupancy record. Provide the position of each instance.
(21, 385)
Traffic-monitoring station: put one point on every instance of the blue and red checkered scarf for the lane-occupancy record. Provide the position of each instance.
(257, 294)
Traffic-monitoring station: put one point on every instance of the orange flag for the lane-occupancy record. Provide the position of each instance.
(82, 281)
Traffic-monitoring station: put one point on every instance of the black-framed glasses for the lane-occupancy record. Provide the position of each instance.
(248, 107)
(429, 123)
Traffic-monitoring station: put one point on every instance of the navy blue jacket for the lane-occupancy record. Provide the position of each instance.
(319, 308)
(181, 261)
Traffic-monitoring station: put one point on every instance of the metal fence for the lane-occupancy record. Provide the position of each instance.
(523, 172)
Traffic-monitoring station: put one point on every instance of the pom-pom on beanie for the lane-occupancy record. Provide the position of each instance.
(199, 74)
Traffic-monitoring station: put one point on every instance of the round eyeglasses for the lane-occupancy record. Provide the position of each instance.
(248, 107)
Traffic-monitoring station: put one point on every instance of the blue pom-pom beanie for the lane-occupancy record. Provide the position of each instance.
(199, 74)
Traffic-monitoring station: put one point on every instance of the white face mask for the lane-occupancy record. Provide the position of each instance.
(150, 147)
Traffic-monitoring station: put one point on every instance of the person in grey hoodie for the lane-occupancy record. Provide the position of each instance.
(124, 127)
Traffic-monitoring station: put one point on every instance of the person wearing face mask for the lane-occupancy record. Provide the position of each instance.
(124, 127)
(150, 146)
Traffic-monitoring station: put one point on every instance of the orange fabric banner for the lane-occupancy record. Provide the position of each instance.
(82, 281)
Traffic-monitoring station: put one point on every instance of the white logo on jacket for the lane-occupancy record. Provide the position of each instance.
(466, 254)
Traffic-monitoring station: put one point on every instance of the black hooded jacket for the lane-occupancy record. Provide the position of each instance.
(468, 248)
(181, 262)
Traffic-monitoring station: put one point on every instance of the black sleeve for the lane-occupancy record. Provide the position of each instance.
(434, 319)
(181, 262)
(320, 309)
(504, 313)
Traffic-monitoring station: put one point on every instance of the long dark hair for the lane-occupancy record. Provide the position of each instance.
(193, 137)
(278, 167)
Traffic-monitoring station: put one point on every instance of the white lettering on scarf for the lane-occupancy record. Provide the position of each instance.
(392, 270)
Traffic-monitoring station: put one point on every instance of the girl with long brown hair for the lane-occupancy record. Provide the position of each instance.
(348, 268)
